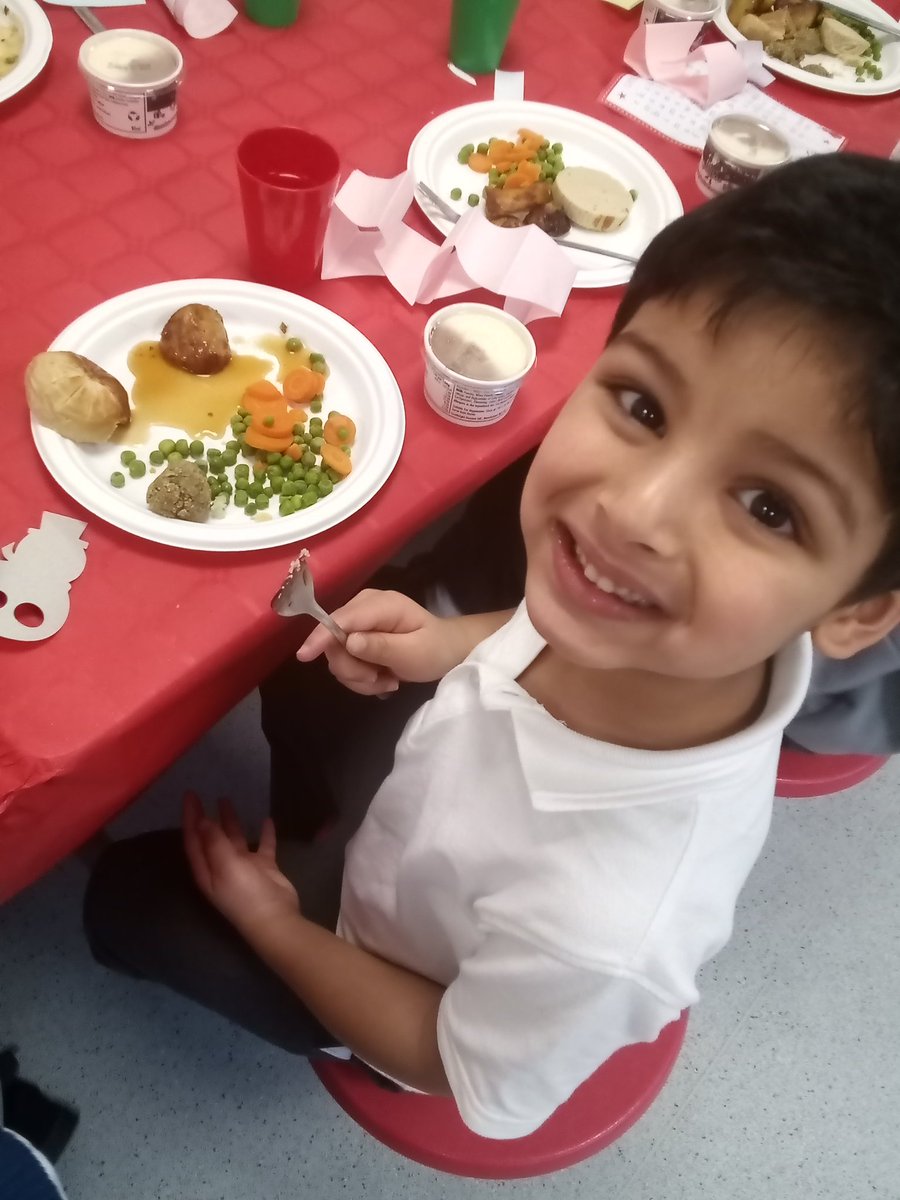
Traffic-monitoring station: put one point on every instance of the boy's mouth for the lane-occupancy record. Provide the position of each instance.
(605, 580)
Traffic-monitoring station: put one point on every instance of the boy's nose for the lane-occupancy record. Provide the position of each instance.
(649, 505)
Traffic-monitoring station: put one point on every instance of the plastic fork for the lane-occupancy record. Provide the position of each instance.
(297, 597)
(452, 215)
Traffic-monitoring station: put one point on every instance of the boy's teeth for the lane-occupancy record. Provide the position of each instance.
(607, 585)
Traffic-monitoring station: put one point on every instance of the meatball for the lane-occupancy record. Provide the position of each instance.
(195, 340)
(550, 218)
(182, 492)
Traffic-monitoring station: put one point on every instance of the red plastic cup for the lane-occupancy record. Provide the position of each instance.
(288, 180)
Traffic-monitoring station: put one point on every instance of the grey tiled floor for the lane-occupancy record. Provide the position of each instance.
(788, 1086)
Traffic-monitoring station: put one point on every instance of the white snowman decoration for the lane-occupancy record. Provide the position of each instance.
(35, 576)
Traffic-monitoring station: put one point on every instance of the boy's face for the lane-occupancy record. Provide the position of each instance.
(699, 500)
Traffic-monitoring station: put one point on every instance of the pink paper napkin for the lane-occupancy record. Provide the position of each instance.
(367, 236)
(708, 74)
(202, 18)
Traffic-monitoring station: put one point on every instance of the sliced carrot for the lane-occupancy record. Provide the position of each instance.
(263, 389)
(301, 384)
(524, 175)
(294, 451)
(265, 441)
(480, 162)
(335, 458)
(275, 424)
(335, 426)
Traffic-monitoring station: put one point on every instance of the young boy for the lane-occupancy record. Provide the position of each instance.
(567, 825)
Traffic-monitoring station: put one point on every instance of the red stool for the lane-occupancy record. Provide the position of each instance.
(802, 774)
(429, 1130)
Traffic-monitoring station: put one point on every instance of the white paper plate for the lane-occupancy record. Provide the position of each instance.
(35, 52)
(890, 58)
(586, 143)
(360, 384)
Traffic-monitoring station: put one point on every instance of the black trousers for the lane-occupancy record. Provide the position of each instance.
(144, 917)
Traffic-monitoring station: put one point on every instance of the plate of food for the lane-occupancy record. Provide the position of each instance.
(216, 414)
(815, 44)
(530, 163)
(25, 41)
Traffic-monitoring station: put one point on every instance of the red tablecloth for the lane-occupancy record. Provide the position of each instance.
(161, 642)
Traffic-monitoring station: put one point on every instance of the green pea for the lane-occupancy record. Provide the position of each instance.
(316, 425)
(157, 457)
(262, 500)
(465, 152)
(316, 444)
(286, 462)
(234, 444)
(308, 459)
(557, 147)
(324, 486)
(316, 405)
(203, 466)
(166, 446)
(297, 472)
(268, 421)
(241, 471)
(183, 447)
(309, 498)
(175, 457)
(241, 497)
(196, 448)
(248, 451)
(126, 457)
(456, 194)
(473, 200)
(276, 484)
(493, 177)
(273, 457)
(297, 431)
(313, 475)
(250, 508)
(136, 468)
(229, 458)
(293, 345)
(318, 363)
(117, 479)
(254, 488)
(274, 471)
(285, 508)
(333, 475)
(288, 487)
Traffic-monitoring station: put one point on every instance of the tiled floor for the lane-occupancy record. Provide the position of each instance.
(788, 1087)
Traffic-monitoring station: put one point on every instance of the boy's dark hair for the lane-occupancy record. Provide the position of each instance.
(820, 238)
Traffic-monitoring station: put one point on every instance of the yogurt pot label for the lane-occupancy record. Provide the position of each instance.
(467, 403)
(135, 114)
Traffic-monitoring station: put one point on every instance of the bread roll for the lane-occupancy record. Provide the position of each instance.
(74, 397)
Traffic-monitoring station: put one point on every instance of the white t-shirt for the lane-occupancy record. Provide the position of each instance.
(564, 890)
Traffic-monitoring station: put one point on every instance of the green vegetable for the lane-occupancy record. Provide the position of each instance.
(117, 479)
(250, 508)
(126, 457)
(183, 447)
(166, 446)
(196, 449)
(241, 497)
(483, 147)
(456, 194)
(316, 405)
(293, 345)
(175, 457)
(465, 152)
(157, 457)
(473, 200)
(286, 462)
(136, 468)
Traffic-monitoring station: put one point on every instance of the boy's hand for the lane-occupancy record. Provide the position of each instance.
(246, 886)
(391, 639)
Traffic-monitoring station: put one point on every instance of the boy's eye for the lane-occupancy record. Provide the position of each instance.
(643, 409)
(769, 509)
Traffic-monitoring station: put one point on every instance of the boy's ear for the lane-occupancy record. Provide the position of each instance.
(855, 627)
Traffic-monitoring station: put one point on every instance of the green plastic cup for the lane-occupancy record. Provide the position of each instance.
(478, 33)
(277, 13)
